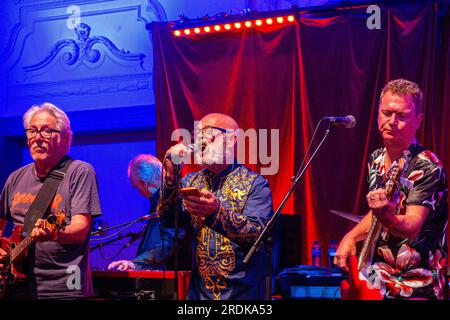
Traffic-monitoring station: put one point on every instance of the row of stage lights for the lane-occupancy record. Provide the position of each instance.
(234, 26)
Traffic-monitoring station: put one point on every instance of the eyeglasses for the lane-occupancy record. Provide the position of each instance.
(45, 133)
(209, 133)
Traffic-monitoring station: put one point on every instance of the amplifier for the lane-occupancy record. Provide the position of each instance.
(140, 285)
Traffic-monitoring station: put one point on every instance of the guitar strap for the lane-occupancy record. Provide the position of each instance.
(41, 203)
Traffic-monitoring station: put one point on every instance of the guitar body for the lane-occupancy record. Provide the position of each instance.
(16, 248)
(11, 271)
(11, 243)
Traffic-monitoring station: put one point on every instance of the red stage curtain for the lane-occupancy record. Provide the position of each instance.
(329, 63)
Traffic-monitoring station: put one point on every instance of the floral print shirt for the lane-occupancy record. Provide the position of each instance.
(416, 267)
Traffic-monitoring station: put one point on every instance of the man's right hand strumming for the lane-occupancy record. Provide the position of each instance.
(346, 248)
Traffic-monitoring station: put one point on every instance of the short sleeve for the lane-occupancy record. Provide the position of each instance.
(429, 184)
(5, 210)
(85, 198)
(4, 204)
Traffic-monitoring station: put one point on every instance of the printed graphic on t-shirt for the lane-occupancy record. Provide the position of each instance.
(22, 201)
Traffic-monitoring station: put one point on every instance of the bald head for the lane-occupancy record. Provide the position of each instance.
(219, 120)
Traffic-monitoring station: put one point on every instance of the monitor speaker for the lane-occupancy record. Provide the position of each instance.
(287, 248)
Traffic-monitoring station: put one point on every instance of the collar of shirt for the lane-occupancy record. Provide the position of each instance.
(407, 154)
(154, 199)
(215, 178)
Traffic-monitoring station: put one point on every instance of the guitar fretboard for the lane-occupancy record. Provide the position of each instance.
(21, 247)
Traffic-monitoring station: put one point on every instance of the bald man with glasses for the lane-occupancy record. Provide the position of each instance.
(225, 218)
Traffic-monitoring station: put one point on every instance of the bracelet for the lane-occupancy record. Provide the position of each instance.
(393, 223)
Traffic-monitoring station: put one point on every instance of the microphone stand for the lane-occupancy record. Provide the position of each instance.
(132, 235)
(118, 236)
(265, 236)
(127, 224)
(166, 194)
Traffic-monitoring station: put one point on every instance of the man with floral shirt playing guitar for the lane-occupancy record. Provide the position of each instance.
(409, 257)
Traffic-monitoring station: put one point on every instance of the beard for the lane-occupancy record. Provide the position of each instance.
(213, 153)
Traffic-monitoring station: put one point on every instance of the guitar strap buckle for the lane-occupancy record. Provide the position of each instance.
(55, 174)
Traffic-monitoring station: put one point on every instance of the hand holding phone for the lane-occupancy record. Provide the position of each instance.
(204, 206)
(190, 192)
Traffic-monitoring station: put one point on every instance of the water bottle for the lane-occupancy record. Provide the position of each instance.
(316, 254)
(331, 254)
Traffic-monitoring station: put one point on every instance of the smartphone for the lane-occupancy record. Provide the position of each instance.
(190, 192)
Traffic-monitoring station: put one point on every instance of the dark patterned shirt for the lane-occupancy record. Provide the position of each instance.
(416, 267)
(221, 241)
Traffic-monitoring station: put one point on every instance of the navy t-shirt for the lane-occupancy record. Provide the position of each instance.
(53, 269)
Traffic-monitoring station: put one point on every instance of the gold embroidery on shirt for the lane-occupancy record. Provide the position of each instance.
(217, 261)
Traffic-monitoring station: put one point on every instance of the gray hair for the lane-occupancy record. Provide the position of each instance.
(402, 88)
(146, 167)
(62, 120)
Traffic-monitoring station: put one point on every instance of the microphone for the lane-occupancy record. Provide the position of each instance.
(193, 147)
(98, 231)
(348, 121)
(148, 217)
(190, 148)
(133, 237)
